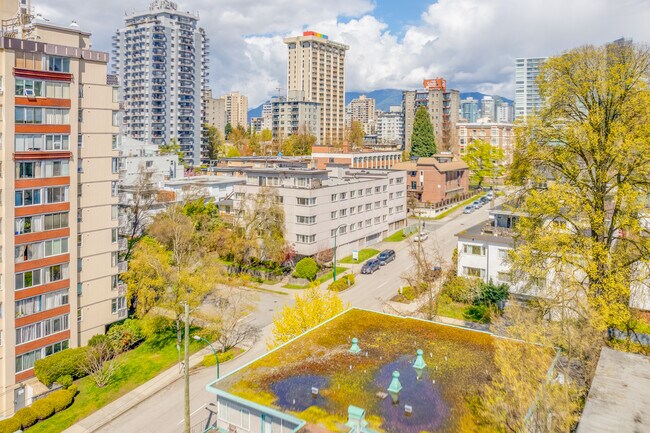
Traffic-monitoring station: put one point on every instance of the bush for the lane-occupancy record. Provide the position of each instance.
(99, 339)
(477, 313)
(461, 289)
(62, 398)
(156, 326)
(10, 425)
(26, 416)
(210, 360)
(43, 408)
(66, 362)
(342, 283)
(125, 335)
(409, 293)
(306, 268)
(492, 295)
(65, 381)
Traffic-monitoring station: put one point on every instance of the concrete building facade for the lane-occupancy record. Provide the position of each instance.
(501, 135)
(161, 59)
(362, 110)
(527, 97)
(443, 106)
(215, 111)
(236, 109)
(316, 67)
(293, 115)
(60, 130)
(390, 127)
(323, 156)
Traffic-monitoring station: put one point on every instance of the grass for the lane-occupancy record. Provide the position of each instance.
(136, 367)
(449, 308)
(458, 206)
(320, 280)
(398, 236)
(364, 255)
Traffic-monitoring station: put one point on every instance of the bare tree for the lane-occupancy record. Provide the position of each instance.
(100, 363)
(143, 196)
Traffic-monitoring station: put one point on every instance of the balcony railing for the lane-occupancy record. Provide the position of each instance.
(122, 266)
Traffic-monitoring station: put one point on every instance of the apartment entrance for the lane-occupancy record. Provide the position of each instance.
(19, 398)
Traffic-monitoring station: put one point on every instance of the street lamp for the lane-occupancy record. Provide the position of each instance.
(336, 232)
(197, 338)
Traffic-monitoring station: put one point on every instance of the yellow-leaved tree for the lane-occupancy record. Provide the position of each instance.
(311, 308)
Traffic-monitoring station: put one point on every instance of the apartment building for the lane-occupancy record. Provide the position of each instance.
(293, 115)
(505, 113)
(436, 180)
(357, 206)
(443, 106)
(60, 163)
(161, 58)
(142, 158)
(215, 112)
(488, 108)
(469, 109)
(236, 109)
(316, 67)
(390, 127)
(362, 110)
(323, 156)
(527, 97)
(501, 135)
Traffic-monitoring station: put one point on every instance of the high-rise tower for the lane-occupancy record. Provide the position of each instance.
(527, 97)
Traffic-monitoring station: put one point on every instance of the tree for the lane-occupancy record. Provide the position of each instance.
(311, 309)
(426, 279)
(137, 210)
(356, 134)
(233, 152)
(238, 136)
(299, 144)
(254, 143)
(171, 148)
(214, 142)
(306, 268)
(583, 169)
(100, 363)
(266, 135)
(484, 160)
(423, 140)
(228, 130)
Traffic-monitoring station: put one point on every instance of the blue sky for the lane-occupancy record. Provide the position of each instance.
(398, 14)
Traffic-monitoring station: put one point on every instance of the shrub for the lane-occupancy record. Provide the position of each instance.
(409, 293)
(477, 313)
(306, 268)
(62, 398)
(26, 416)
(492, 295)
(461, 289)
(342, 283)
(155, 326)
(98, 339)
(65, 381)
(10, 425)
(125, 335)
(66, 362)
(210, 360)
(43, 408)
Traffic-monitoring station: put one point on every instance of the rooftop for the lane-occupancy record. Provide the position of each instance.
(619, 397)
(457, 362)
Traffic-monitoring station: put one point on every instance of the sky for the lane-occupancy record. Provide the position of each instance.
(473, 44)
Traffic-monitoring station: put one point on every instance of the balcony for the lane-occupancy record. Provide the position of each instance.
(121, 244)
(122, 266)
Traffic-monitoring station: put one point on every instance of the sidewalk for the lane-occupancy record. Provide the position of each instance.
(131, 399)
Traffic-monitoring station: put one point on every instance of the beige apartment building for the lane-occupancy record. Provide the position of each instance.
(215, 111)
(316, 67)
(60, 164)
(362, 110)
(236, 109)
(501, 135)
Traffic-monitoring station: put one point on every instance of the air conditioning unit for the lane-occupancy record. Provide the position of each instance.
(29, 93)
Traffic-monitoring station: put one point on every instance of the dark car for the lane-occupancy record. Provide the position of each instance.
(370, 266)
(386, 256)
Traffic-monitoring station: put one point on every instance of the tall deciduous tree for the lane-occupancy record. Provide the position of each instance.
(214, 142)
(356, 134)
(299, 144)
(138, 208)
(423, 140)
(311, 308)
(266, 135)
(583, 165)
(484, 160)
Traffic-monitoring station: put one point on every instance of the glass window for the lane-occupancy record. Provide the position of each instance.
(57, 64)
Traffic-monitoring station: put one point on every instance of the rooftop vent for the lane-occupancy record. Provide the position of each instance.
(395, 387)
(355, 349)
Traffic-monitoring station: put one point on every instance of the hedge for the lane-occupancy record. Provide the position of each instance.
(65, 381)
(26, 416)
(210, 360)
(67, 362)
(62, 398)
(341, 284)
(43, 408)
(306, 268)
(10, 425)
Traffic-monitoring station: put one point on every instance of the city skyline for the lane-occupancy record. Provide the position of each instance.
(390, 47)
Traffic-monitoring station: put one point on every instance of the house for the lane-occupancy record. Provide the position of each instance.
(439, 179)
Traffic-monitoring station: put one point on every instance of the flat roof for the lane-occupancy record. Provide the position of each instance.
(476, 232)
(459, 362)
(619, 398)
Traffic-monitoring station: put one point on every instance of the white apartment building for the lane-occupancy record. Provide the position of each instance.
(295, 115)
(316, 67)
(527, 97)
(390, 126)
(505, 113)
(142, 157)
(162, 61)
(359, 207)
(60, 160)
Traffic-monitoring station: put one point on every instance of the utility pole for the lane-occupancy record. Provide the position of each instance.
(494, 183)
(187, 368)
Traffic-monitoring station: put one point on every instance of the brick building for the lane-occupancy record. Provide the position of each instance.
(436, 179)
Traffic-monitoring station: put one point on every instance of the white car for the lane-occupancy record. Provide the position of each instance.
(422, 236)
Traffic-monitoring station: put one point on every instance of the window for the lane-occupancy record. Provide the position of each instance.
(57, 90)
(32, 115)
(234, 415)
(377, 189)
(360, 193)
(27, 197)
(57, 64)
(26, 360)
(26, 252)
(55, 247)
(414, 185)
(360, 224)
(28, 142)
(56, 221)
(502, 253)
(306, 201)
(334, 196)
(115, 142)
(55, 299)
(29, 224)
(473, 272)
(384, 188)
(114, 188)
(353, 210)
(305, 239)
(56, 347)
(56, 116)
(343, 212)
(115, 165)
(56, 194)
(28, 279)
(343, 196)
(113, 235)
(368, 191)
(384, 203)
(353, 227)
(118, 304)
(26, 87)
(26, 307)
(343, 230)
(400, 194)
(368, 222)
(56, 168)
(368, 206)
(377, 204)
(360, 208)
(399, 180)
(114, 259)
(114, 212)
(57, 142)
(390, 196)
(116, 118)
(399, 208)
(305, 219)
(40, 169)
(377, 220)
(353, 194)
(476, 250)
(56, 324)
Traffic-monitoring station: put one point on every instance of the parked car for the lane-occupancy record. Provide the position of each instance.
(386, 256)
(468, 209)
(422, 236)
(476, 205)
(370, 266)
(483, 200)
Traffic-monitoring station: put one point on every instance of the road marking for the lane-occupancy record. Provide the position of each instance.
(183, 420)
(382, 285)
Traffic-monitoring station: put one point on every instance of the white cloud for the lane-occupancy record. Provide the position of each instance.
(472, 43)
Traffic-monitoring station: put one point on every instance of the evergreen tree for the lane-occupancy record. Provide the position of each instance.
(423, 142)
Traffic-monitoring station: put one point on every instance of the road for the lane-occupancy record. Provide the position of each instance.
(164, 412)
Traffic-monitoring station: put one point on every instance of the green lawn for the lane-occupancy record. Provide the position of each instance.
(323, 278)
(458, 206)
(137, 366)
(364, 255)
(398, 236)
(455, 310)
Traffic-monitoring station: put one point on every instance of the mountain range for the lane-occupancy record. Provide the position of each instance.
(384, 98)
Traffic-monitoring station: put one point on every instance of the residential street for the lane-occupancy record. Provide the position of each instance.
(164, 412)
